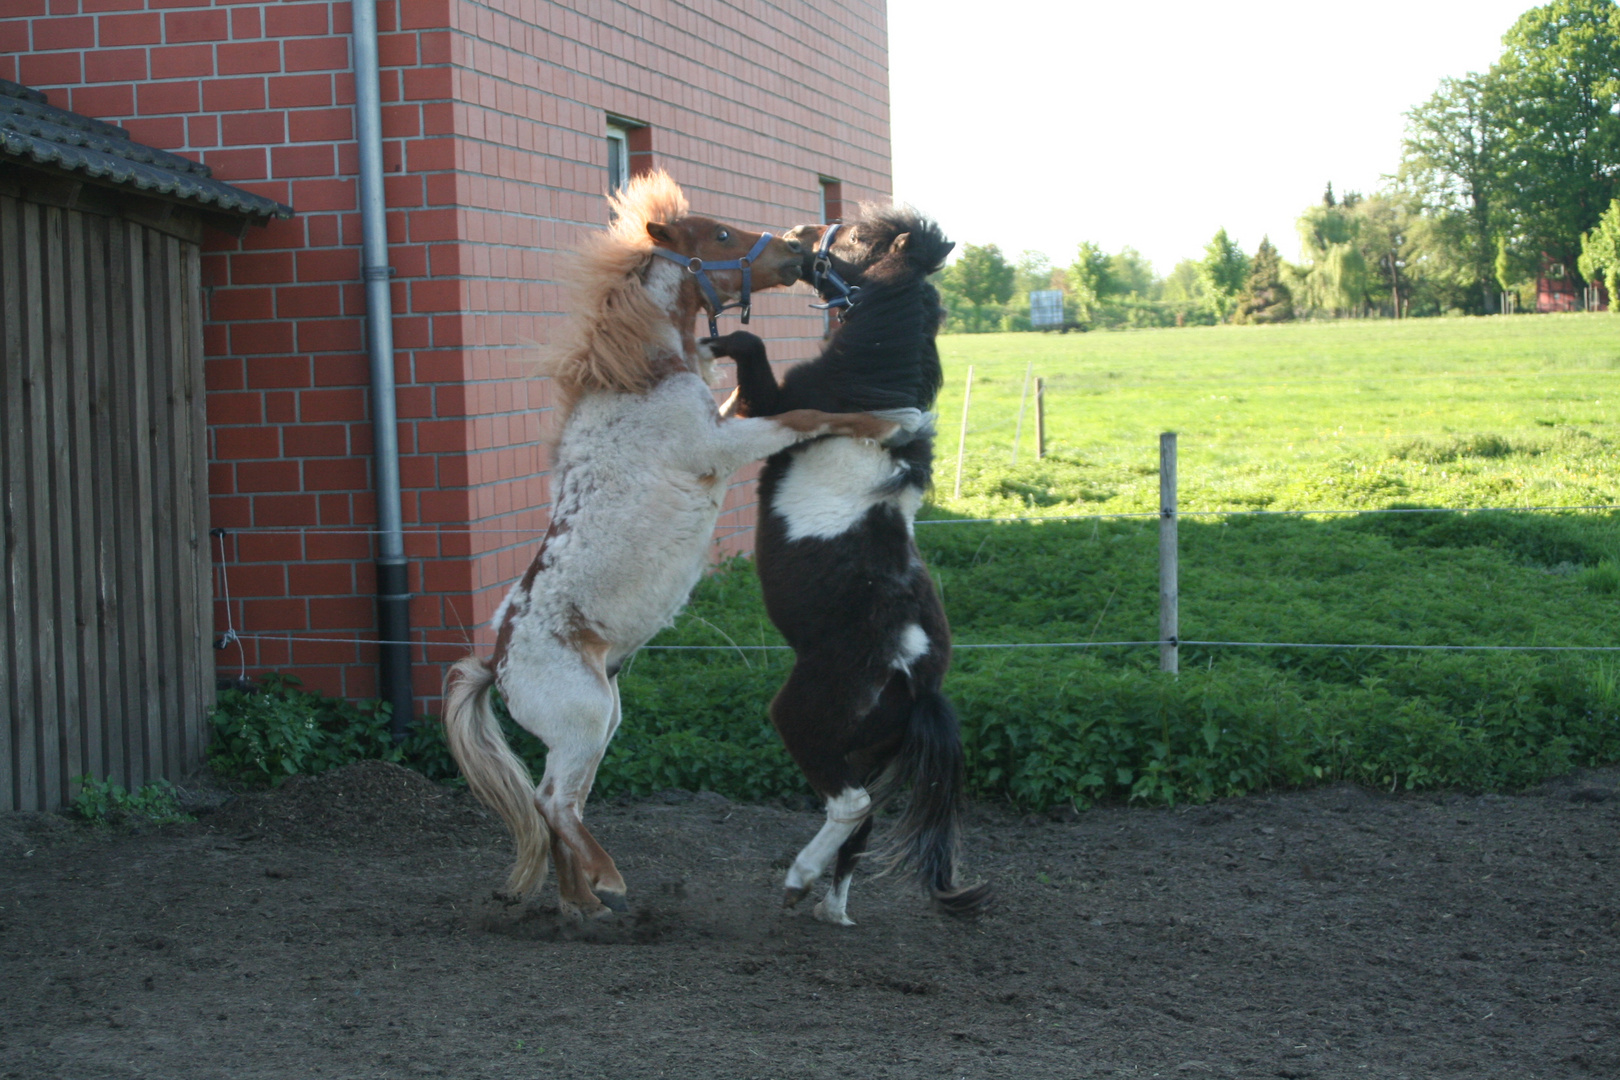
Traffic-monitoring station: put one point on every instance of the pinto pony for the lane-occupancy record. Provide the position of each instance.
(639, 474)
(861, 712)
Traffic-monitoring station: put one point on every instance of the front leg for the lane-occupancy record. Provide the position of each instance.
(737, 442)
(757, 391)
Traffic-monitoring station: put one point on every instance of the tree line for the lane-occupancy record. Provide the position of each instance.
(1505, 177)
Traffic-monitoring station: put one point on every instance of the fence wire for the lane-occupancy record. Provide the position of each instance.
(426, 644)
(237, 637)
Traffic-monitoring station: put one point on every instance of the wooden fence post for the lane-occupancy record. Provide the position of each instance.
(1169, 591)
(961, 442)
(1040, 419)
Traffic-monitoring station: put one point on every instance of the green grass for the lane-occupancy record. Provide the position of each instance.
(1439, 412)
(1368, 415)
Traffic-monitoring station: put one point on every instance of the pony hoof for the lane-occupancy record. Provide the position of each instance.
(792, 895)
(835, 918)
(580, 913)
(614, 900)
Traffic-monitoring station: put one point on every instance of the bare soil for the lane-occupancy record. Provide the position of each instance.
(344, 926)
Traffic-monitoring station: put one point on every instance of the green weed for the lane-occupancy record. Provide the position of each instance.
(101, 802)
(277, 730)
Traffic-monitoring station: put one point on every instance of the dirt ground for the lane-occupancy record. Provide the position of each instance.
(344, 926)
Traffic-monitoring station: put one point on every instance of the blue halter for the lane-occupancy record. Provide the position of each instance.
(700, 270)
(826, 279)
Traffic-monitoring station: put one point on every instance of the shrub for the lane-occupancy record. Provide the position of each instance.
(276, 730)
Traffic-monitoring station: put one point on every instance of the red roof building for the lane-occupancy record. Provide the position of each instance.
(1556, 290)
(500, 122)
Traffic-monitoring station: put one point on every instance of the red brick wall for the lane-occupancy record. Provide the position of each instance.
(494, 118)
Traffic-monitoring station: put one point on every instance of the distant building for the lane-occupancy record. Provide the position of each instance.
(1556, 289)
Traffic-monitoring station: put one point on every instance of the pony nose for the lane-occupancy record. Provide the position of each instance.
(794, 246)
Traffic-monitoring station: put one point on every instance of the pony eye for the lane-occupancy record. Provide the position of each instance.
(723, 235)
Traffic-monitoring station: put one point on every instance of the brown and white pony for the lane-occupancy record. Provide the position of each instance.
(639, 473)
(862, 712)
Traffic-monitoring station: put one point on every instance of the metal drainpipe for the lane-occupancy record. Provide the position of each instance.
(393, 597)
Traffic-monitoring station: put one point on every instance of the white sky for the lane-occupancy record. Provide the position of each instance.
(1041, 123)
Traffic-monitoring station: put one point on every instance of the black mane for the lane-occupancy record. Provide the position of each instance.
(883, 356)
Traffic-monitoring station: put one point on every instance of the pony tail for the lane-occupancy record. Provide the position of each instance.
(925, 839)
(494, 773)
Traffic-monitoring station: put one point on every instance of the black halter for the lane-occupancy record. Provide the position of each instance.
(700, 270)
(826, 279)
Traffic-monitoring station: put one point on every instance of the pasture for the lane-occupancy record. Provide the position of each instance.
(1352, 414)
(1359, 415)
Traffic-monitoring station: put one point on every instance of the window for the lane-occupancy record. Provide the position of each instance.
(832, 201)
(618, 157)
(629, 151)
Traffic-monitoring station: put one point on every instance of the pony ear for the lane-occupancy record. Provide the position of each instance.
(660, 232)
(900, 242)
(950, 246)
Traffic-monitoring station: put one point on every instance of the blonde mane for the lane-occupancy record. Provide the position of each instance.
(604, 345)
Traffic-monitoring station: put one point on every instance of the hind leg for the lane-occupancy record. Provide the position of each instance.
(846, 814)
(605, 881)
(574, 711)
(834, 906)
(839, 738)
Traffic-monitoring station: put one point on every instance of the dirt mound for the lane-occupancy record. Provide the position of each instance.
(375, 803)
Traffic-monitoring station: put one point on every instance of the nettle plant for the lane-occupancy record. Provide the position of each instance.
(101, 802)
(274, 730)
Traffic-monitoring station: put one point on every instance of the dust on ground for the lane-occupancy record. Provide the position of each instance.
(345, 926)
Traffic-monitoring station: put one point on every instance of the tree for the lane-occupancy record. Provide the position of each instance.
(1336, 280)
(1265, 298)
(1088, 280)
(980, 279)
(1129, 274)
(1556, 92)
(1223, 270)
(1451, 161)
(1185, 285)
(1034, 271)
(1384, 239)
(1600, 253)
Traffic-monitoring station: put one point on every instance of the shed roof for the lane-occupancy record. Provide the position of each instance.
(35, 132)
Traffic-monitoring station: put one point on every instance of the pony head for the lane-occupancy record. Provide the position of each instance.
(881, 243)
(618, 336)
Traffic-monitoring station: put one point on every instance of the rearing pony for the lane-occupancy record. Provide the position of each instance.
(861, 712)
(639, 474)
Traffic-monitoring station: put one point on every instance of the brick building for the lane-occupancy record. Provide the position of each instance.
(501, 121)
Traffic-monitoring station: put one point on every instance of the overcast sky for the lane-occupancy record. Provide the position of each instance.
(1041, 123)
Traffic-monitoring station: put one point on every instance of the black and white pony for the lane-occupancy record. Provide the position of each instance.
(862, 712)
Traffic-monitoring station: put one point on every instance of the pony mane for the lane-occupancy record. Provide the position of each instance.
(883, 355)
(610, 341)
(927, 246)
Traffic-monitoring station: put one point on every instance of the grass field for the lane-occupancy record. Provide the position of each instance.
(1437, 412)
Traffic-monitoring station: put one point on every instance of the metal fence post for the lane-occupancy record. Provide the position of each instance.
(1169, 590)
(961, 442)
(1023, 400)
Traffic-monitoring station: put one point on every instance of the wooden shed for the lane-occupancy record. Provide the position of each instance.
(106, 657)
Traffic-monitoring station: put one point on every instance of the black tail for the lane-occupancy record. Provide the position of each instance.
(925, 839)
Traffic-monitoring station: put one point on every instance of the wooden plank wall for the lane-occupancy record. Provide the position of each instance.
(106, 664)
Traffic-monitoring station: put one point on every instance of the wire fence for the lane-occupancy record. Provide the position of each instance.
(232, 635)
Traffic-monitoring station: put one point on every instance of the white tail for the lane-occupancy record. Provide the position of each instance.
(497, 777)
